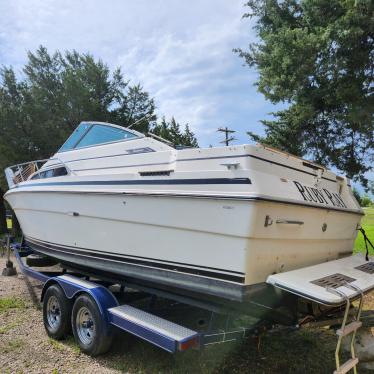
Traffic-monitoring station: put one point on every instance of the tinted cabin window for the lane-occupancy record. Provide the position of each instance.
(87, 134)
(75, 137)
(100, 134)
(58, 172)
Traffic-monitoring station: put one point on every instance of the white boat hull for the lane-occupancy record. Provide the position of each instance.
(218, 239)
(215, 221)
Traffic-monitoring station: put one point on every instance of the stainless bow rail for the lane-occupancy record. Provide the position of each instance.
(21, 172)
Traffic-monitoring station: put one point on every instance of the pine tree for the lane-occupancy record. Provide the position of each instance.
(317, 56)
(39, 110)
(171, 131)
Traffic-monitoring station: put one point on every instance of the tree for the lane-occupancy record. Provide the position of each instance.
(371, 184)
(56, 93)
(317, 56)
(365, 201)
(357, 195)
(136, 108)
(172, 132)
(189, 138)
(40, 109)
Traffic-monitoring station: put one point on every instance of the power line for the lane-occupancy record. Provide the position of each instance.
(228, 137)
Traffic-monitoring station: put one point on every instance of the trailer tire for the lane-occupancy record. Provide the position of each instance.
(56, 312)
(89, 328)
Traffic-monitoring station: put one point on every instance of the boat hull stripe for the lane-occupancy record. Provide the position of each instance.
(136, 260)
(136, 182)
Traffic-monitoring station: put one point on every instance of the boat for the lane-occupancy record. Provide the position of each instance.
(213, 222)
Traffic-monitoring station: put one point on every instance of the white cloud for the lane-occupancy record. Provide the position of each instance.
(194, 78)
(181, 52)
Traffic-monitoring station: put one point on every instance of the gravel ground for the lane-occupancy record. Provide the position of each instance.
(24, 345)
(26, 348)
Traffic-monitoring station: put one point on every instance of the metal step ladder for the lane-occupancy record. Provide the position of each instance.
(323, 283)
(348, 329)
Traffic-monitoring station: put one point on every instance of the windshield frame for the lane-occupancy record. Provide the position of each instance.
(137, 135)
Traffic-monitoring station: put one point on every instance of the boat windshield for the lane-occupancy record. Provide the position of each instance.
(87, 134)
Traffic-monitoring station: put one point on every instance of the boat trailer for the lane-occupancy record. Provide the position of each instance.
(91, 309)
(148, 326)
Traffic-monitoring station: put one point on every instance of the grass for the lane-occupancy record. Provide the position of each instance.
(12, 345)
(70, 342)
(8, 327)
(368, 225)
(8, 303)
(282, 352)
(56, 344)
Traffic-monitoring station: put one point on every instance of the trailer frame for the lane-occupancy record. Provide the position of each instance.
(167, 335)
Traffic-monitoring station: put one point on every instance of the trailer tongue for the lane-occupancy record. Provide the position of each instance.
(333, 283)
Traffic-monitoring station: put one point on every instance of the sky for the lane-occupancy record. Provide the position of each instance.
(181, 52)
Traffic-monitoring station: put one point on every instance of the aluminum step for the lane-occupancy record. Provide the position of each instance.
(348, 329)
(159, 331)
(350, 364)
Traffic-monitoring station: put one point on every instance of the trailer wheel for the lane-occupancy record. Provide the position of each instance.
(56, 312)
(89, 328)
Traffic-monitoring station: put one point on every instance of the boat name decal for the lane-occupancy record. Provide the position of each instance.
(320, 195)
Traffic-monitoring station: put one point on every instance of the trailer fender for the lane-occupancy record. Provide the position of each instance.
(73, 287)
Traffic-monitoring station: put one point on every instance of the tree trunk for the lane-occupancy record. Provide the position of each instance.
(3, 225)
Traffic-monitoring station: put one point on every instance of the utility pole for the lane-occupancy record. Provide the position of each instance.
(228, 137)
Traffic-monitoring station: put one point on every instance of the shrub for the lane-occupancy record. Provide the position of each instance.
(365, 201)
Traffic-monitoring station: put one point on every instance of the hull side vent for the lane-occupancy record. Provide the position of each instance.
(155, 173)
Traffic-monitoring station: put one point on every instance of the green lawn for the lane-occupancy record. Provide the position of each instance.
(368, 225)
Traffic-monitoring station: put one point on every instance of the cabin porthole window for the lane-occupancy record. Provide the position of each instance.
(51, 173)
